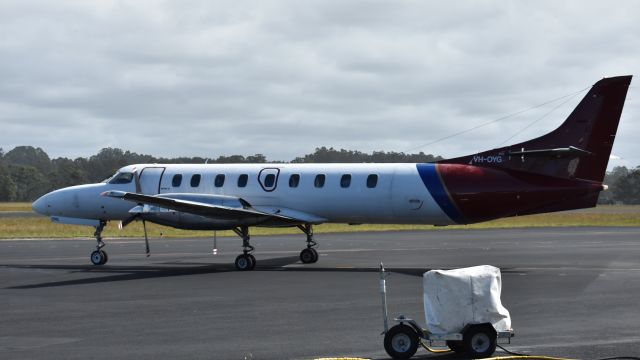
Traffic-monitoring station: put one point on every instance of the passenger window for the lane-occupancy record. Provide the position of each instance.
(177, 180)
(195, 180)
(242, 180)
(294, 180)
(269, 180)
(372, 180)
(345, 181)
(319, 181)
(219, 182)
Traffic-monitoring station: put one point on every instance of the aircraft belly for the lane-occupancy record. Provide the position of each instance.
(361, 210)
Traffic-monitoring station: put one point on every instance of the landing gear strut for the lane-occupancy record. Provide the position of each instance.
(308, 255)
(245, 261)
(99, 256)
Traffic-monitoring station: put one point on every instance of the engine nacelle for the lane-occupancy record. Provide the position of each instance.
(187, 221)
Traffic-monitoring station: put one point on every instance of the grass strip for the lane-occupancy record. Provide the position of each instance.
(43, 228)
(15, 206)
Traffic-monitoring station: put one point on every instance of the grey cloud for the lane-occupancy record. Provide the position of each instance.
(283, 77)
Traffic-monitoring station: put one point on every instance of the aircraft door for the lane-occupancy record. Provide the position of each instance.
(150, 180)
(268, 178)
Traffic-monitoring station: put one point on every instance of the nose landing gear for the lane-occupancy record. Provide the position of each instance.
(99, 256)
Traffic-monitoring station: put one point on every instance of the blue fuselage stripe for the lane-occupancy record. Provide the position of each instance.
(431, 179)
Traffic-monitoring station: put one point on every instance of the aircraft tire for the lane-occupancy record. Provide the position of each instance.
(244, 263)
(105, 257)
(253, 261)
(308, 256)
(98, 257)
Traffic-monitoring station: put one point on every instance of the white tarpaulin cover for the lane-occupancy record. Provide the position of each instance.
(454, 298)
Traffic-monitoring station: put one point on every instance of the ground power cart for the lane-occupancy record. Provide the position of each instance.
(462, 309)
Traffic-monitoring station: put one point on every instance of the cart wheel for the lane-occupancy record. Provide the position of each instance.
(455, 346)
(479, 341)
(401, 342)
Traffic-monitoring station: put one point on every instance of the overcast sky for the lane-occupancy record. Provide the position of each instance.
(210, 78)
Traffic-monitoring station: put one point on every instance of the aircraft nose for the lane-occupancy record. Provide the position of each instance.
(40, 205)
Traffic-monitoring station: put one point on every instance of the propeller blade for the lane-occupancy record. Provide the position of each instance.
(146, 238)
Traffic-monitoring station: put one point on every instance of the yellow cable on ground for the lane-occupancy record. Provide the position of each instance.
(510, 357)
(435, 351)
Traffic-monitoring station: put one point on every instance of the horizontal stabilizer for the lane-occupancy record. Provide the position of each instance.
(570, 151)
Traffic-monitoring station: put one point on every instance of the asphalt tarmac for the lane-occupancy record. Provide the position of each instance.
(572, 292)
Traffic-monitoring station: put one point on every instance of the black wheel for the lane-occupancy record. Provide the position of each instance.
(315, 255)
(401, 342)
(253, 261)
(479, 341)
(243, 262)
(105, 257)
(308, 256)
(98, 257)
(455, 345)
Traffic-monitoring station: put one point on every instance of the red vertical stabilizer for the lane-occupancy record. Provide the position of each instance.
(561, 170)
(579, 148)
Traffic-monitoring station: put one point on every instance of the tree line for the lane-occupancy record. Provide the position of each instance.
(26, 172)
(624, 186)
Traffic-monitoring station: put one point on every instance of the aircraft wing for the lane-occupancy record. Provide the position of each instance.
(216, 207)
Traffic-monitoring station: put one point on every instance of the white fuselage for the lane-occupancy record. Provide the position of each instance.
(349, 194)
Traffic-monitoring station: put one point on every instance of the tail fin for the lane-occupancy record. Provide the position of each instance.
(578, 149)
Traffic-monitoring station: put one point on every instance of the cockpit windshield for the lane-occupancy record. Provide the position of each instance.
(121, 178)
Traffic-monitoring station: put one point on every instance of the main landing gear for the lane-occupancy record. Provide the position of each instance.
(308, 255)
(246, 260)
(99, 256)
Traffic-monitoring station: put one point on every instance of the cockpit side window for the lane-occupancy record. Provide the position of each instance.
(121, 178)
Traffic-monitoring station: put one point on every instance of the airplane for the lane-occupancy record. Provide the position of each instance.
(561, 170)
